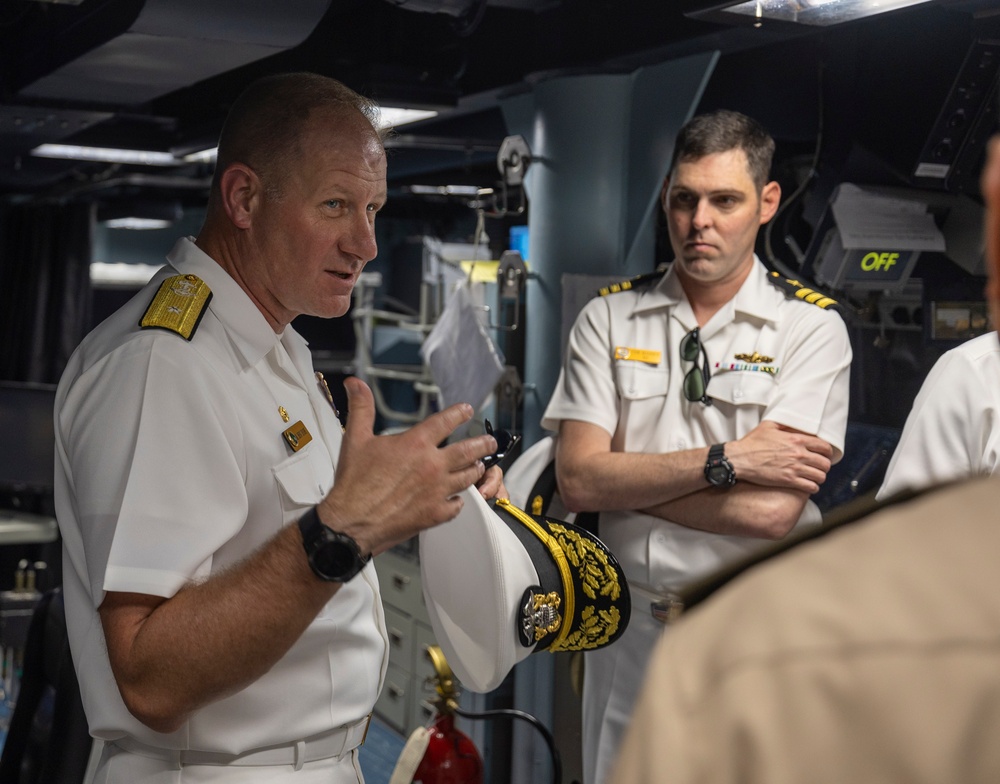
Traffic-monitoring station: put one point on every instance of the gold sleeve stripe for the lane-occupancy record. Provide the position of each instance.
(178, 306)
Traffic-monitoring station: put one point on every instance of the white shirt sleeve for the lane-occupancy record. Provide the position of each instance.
(157, 468)
(952, 429)
(813, 385)
(586, 387)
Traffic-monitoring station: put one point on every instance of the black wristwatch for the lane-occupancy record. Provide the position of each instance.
(718, 470)
(333, 556)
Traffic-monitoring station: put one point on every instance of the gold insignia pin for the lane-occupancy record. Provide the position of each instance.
(754, 359)
(326, 390)
(282, 413)
(297, 436)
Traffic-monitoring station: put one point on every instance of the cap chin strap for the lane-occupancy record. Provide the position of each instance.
(558, 555)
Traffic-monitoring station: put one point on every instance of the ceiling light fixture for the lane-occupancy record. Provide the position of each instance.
(394, 116)
(110, 275)
(817, 13)
(444, 190)
(133, 222)
(391, 116)
(104, 154)
(202, 156)
(139, 213)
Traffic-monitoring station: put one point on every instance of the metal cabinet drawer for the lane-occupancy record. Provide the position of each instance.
(399, 580)
(422, 693)
(393, 703)
(399, 627)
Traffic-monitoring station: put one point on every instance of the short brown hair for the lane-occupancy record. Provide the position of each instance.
(264, 126)
(724, 130)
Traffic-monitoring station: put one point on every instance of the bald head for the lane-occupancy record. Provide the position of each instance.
(266, 125)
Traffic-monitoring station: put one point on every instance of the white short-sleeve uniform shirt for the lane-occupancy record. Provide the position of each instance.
(771, 357)
(953, 429)
(171, 466)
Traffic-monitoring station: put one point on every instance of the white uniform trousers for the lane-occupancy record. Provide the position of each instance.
(612, 677)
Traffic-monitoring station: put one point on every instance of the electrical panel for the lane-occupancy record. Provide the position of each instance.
(953, 153)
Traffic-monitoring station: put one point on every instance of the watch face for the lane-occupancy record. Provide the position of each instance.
(336, 559)
(718, 475)
(332, 556)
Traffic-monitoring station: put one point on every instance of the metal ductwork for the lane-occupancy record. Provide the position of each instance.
(466, 7)
(176, 43)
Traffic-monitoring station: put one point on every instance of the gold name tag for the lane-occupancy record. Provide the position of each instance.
(297, 436)
(638, 355)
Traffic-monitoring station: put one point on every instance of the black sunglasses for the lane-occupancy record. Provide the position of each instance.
(505, 445)
(696, 379)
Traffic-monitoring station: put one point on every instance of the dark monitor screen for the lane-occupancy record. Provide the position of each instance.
(27, 439)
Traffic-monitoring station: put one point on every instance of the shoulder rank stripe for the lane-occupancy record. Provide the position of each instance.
(798, 290)
(631, 283)
(178, 305)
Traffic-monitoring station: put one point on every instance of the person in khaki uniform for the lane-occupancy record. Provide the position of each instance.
(869, 654)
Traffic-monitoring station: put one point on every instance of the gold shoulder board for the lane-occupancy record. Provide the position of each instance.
(178, 305)
(631, 283)
(796, 289)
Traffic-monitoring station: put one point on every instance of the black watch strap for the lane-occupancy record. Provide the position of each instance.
(333, 556)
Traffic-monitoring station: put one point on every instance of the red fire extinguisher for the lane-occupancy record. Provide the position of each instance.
(440, 753)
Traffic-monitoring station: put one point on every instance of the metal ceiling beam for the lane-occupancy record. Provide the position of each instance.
(175, 43)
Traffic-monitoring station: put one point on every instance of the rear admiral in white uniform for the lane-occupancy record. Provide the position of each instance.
(223, 613)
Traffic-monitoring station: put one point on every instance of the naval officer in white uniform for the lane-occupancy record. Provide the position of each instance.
(699, 413)
(953, 429)
(223, 612)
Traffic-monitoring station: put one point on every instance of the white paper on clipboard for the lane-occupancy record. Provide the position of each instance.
(465, 363)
